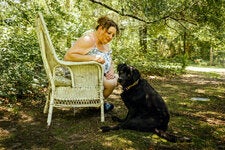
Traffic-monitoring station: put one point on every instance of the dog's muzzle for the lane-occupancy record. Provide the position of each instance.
(120, 79)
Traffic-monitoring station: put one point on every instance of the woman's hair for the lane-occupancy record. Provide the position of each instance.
(106, 23)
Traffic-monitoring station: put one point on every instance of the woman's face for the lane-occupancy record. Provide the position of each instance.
(107, 35)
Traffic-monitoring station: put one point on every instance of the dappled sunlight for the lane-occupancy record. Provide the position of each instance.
(5, 119)
(117, 141)
(4, 133)
(156, 139)
(187, 105)
(25, 118)
(199, 79)
(200, 91)
(203, 121)
(190, 75)
(219, 132)
(201, 109)
(170, 86)
(183, 95)
(215, 121)
(211, 117)
(212, 113)
(153, 77)
(165, 98)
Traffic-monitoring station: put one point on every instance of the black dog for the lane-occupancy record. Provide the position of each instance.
(147, 111)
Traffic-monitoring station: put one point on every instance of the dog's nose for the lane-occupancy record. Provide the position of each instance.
(119, 80)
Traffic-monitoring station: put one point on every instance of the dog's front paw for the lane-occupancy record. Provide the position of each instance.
(105, 128)
(116, 119)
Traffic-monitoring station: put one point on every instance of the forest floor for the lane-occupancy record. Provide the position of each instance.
(23, 124)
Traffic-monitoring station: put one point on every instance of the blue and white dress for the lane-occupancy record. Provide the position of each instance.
(106, 55)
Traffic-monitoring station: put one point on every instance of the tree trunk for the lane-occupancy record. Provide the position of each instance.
(184, 42)
(143, 38)
(211, 56)
(184, 61)
(68, 6)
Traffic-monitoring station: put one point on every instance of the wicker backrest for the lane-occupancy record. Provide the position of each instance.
(47, 50)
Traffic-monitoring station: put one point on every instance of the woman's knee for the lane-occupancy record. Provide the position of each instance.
(110, 83)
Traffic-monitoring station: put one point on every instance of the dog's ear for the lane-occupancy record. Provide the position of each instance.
(135, 74)
(120, 66)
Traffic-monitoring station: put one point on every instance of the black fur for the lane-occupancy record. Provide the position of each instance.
(147, 111)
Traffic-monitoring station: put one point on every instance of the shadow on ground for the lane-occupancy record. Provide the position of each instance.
(23, 125)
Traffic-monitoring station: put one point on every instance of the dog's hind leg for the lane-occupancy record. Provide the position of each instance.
(140, 123)
(117, 119)
(108, 128)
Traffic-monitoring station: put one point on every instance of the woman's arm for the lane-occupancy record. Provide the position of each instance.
(79, 50)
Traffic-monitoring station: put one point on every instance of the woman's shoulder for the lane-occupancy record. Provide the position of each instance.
(86, 40)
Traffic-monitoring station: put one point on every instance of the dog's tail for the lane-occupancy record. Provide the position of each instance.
(170, 137)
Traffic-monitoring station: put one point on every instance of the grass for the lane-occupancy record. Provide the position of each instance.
(23, 125)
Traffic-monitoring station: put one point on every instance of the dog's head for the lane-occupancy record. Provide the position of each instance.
(127, 75)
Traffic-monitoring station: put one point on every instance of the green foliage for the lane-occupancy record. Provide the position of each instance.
(178, 32)
(146, 62)
(20, 63)
(21, 67)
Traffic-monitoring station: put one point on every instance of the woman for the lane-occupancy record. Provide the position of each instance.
(94, 46)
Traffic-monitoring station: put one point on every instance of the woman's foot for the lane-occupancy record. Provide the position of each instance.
(108, 107)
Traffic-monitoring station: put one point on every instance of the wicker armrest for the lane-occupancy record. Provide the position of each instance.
(71, 63)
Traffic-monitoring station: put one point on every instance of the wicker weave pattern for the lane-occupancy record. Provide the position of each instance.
(67, 93)
(83, 89)
(77, 103)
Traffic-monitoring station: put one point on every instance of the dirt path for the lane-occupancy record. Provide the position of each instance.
(204, 69)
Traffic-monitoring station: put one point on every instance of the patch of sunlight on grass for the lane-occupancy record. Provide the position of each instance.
(185, 104)
(170, 86)
(25, 117)
(156, 139)
(212, 75)
(217, 90)
(200, 91)
(211, 114)
(222, 129)
(219, 132)
(4, 133)
(115, 140)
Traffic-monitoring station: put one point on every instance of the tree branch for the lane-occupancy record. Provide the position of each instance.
(138, 18)
(128, 15)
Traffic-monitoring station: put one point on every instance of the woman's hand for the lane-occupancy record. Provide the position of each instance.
(99, 59)
(110, 75)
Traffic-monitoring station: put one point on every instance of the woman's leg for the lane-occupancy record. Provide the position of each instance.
(109, 86)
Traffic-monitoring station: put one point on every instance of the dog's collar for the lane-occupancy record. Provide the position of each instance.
(130, 86)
